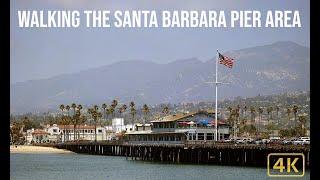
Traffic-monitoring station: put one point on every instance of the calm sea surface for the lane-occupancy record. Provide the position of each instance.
(77, 167)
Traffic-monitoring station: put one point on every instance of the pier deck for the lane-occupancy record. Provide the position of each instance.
(204, 153)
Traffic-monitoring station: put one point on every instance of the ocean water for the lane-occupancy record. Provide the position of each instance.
(79, 166)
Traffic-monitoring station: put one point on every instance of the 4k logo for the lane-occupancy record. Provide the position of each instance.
(286, 164)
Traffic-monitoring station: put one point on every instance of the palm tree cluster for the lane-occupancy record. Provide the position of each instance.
(71, 115)
(74, 119)
(238, 116)
(95, 115)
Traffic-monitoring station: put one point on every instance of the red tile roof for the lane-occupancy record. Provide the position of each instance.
(39, 132)
(77, 127)
(179, 116)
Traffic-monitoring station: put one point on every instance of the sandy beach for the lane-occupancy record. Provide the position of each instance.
(36, 149)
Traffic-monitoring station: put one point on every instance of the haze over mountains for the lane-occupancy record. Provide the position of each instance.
(269, 69)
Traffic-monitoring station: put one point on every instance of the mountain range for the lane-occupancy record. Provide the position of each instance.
(274, 68)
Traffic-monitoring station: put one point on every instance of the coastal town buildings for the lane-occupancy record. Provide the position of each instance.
(180, 128)
(191, 127)
(82, 132)
(39, 136)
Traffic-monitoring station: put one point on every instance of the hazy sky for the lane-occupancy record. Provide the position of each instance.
(42, 53)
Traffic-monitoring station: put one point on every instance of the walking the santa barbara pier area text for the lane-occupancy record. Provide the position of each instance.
(229, 63)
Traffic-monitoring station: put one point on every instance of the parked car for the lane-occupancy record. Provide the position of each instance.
(306, 142)
(228, 140)
(258, 141)
(248, 140)
(306, 138)
(239, 140)
(275, 140)
(288, 141)
(301, 142)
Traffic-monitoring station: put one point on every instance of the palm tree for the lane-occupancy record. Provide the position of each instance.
(132, 112)
(68, 119)
(120, 111)
(109, 111)
(253, 114)
(295, 110)
(124, 107)
(230, 121)
(260, 111)
(114, 105)
(79, 118)
(68, 108)
(288, 113)
(75, 122)
(239, 110)
(237, 117)
(82, 121)
(62, 108)
(277, 110)
(104, 107)
(238, 114)
(95, 107)
(269, 111)
(73, 106)
(62, 117)
(145, 110)
(245, 108)
(165, 110)
(302, 119)
(95, 116)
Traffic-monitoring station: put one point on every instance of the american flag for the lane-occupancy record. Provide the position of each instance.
(227, 61)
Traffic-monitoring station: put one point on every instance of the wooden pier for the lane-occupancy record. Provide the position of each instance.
(217, 153)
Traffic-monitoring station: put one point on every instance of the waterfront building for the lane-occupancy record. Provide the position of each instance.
(40, 136)
(109, 133)
(193, 127)
(82, 132)
(129, 127)
(142, 127)
(29, 135)
(118, 125)
(54, 133)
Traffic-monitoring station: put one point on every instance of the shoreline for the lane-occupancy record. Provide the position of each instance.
(36, 149)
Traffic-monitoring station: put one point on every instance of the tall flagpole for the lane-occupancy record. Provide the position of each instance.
(216, 105)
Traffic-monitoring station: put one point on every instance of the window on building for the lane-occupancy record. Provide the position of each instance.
(200, 136)
(54, 130)
(178, 138)
(209, 136)
(99, 130)
(194, 136)
(221, 136)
